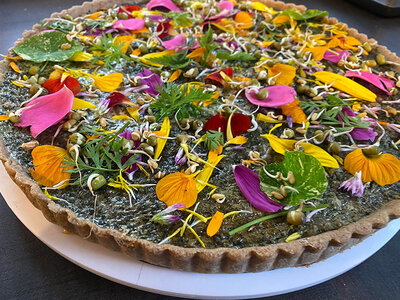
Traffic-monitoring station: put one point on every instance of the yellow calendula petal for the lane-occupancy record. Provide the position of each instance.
(121, 117)
(279, 145)
(239, 140)
(229, 134)
(94, 16)
(124, 40)
(4, 117)
(215, 223)
(16, 83)
(262, 7)
(281, 19)
(15, 67)
(346, 85)
(134, 113)
(284, 74)
(243, 20)
(324, 157)
(164, 131)
(197, 53)
(109, 82)
(226, 25)
(145, 58)
(205, 174)
(263, 118)
(175, 75)
(82, 104)
(81, 56)
(318, 52)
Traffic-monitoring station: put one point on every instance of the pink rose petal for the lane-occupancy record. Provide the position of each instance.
(249, 183)
(45, 111)
(162, 5)
(178, 43)
(130, 24)
(278, 95)
(226, 8)
(336, 56)
(378, 81)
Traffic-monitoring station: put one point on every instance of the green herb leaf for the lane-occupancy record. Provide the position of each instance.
(179, 18)
(177, 61)
(309, 174)
(206, 41)
(47, 47)
(224, 54)
(214, 139)
(180, 100)
(111, 53)
(309, 14)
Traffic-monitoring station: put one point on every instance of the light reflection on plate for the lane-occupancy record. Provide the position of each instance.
(119, 268)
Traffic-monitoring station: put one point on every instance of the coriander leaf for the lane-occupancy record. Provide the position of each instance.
(214, 139)
(309, 174)
(179, 18)
(47, 47)
(309, 14)
(223, 54)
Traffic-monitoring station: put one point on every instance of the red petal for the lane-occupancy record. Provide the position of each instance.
(217, 123)
(54, 85)
(217, 79)
(129, 8)
(163, 29)
(117, 98)
(72, 84)
(240, 124)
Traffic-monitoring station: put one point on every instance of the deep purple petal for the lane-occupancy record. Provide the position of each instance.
(249, 183)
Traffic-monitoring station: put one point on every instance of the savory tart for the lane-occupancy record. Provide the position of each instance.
(208, 136)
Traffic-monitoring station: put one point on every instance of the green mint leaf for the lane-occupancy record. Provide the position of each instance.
(309, 174)
(47, 47)
(309, 14)
(224, 54)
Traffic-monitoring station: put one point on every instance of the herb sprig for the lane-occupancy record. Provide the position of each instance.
(214, 139)
(179, 18)
(111, 53)
(206, 41)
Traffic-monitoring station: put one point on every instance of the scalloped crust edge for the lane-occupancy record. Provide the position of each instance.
(300, 252)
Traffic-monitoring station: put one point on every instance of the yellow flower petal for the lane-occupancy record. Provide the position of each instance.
(82, 104)
(239, 140)
(15, 67)
(215, 223)
(4, 117)
(286, 74)
(145, 58)
(124, 40)
(205, 174)
(134, 113)
(263, 118)
(175, 75)
(81, 56)
(164, 131)
(346, 85)
(262, 7)
(109, 82)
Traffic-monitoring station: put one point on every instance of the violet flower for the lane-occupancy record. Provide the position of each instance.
(164, 217)
(180, 157)
(354, 185)
(152, 80)
(249, 183)
(359, 134)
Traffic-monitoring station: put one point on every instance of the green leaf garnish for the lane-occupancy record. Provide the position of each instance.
(177, 61)
(214, 139)
(47, 47)
(179, 18)
(224, 54)
(309, 174)
(182, 100)
(206, 41)
(309, 14)
(110, 52)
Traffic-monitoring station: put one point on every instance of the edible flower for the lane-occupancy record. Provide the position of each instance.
(243, 20)
(162, 5)
(346, 85)
(336, 55)
(150, 79)
(281, 145)
(274, 97)
(239, 124)
(354, 185)
(178, 42)
(215, 223)
(107, 83)
(130, 24)
(117, 98)
(282, 74)
(218, 79)
(58, 79)
(382, 168)
(48, 170)
(226, 8)
(249, 183)
(46, 111)
(379, 83)
(295, 111)
(164, 217)
(204, 175)
(359, 134)
(177, 188)
(164, 132)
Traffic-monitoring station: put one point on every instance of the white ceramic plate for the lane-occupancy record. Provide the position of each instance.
(119, 268)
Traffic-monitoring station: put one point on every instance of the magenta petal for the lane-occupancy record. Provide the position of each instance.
(363, 134)
(336, 56)
(278, 95)
(249, 184)
(178, 43)
(130, 24)
(226, 8)
(371, 78)
(45, 111)
(162, 5)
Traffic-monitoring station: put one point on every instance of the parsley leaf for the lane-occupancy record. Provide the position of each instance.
(182, 100)
(179, 18)
(224, 54)
(214, 139)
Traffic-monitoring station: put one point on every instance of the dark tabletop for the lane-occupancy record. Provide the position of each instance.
(30, 270)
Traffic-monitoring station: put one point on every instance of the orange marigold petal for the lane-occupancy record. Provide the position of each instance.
(293, 109)
(215, 223)
(286, 74)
